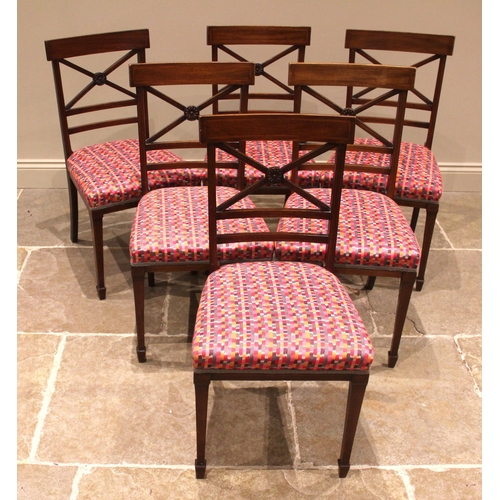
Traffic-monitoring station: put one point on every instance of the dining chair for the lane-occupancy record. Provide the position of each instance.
(170, 229)
(272, 320)
(271, 48)
(95, 105)
(418, 181)
(375, 239)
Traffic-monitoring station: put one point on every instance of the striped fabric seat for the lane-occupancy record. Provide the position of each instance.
(305, 320)
(110, 172)
(418, 177)
(372, 232)
(171, 226)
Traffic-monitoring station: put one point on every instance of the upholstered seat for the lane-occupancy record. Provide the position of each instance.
(304, 321)
(372, 232)
(373, 237)
(171, 225)
(418, 175)
(110, 172)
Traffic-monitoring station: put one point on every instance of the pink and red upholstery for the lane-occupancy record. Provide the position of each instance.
(110, 172)
(171, 226)
(418, 176)
(373, 238)
(372, 232)
(305, 320)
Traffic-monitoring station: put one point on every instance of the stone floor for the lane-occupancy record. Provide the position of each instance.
(93, 423)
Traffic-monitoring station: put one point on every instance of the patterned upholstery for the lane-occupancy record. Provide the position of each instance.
(269, 153)
(372, 232)
(110, 172)
(305, 320)
(418, 177)
(171, 225)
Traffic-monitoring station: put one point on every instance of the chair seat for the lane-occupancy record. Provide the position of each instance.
(171, 226)
(305, 320)
(269, 153)
(418, 177)
(373, 231)
(110, 172)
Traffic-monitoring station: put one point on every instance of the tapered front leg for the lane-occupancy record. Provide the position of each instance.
(414, 218)
(370, 283)
(73, 210)
(138, 284)
(430, 222)
(357, 387)
(98, 240)
(201, 386)
(405, 289)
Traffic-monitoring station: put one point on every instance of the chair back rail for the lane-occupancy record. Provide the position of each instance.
(362, 43)
(60, 53)
(386, 82)
(156, 80)
(221, 131)
(231, 40)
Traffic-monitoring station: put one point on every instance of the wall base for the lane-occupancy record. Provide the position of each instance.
(52, 174)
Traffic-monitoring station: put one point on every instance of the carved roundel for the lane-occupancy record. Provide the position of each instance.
(259, 69)
(274, 176)
(348, 112)
(192, 113)
(99, 78)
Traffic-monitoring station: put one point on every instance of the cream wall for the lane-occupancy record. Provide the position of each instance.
(178, 33)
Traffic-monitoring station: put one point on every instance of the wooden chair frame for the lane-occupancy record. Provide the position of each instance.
(60, 53)
(436, 48)
(148, 79)
(295, 39)
(392, 81)
(220, 132)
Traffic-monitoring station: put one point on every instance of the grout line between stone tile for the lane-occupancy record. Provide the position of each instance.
(410, 490)
(29, 250)
(86, 334)
(75, 487)
(457, 250)
(308, 467)
(444, 234)
(47, 396)
(297, 458)
(463, 357)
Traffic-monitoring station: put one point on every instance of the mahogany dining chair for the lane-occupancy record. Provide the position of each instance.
(418, 183)
(95, 105)
(170, 229)
(374, 239)
(274, 320)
